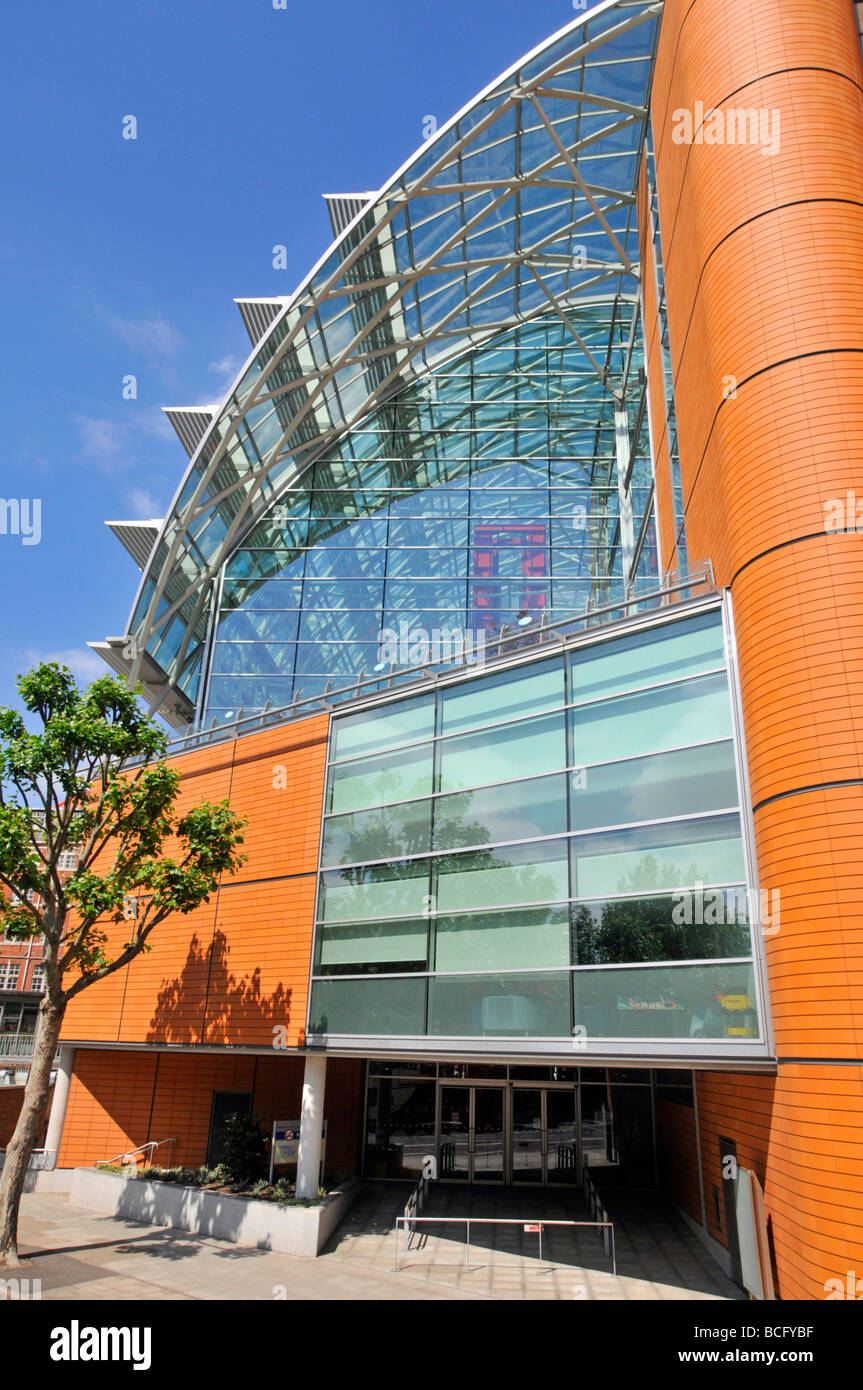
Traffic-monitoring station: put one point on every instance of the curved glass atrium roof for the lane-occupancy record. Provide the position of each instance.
(445, 426)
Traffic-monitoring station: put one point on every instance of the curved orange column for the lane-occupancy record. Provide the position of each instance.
(763, 257)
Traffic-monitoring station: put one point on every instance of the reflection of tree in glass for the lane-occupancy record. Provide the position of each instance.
(643, 928)
(404, 830)
(452, 829)
(529, 884)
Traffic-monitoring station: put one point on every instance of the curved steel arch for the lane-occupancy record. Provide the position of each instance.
(433, 265)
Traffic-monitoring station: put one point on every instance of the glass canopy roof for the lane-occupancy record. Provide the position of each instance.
(522, 206)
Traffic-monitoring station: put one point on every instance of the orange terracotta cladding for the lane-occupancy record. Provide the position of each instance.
(120, 1100)
(764, 274)
(676, 1152)
(237, 968)
(800, 1133)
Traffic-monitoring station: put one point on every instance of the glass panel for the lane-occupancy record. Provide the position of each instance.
(617, 1135)
(714, 924)
(391, 1007)
(517, 811)
(670, 784)
(526, 1135)
(455, 1132)
(386, 943)
(402, 776)
(535, 746)
(386, 833)
(400, 1128)
(533, 873)
(500, 1006)
(502, 940)
(383, 890)
(679, 854)
(669, 717)
(561, 1136)
(685, 1001)
(648, 657)
(407, 722)
(503, 696)
(488, 1134)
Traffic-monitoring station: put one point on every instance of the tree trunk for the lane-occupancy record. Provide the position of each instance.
(22, 1143)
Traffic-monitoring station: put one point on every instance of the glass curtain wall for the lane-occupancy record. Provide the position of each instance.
(551, 848)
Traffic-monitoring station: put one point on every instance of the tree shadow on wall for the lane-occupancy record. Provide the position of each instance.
(207, 1003)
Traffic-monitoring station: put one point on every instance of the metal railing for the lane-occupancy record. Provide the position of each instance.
(20, 1045)
(40, 1160)
(411, 1222)
(17, 1044)
(510, 640)
(415, 1201)
(130, 1158)
(594, 1202)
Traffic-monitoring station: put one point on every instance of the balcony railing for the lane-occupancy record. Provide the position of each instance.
(16, 1044)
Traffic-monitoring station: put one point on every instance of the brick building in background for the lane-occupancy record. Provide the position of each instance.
(22, 984)
(582, 389)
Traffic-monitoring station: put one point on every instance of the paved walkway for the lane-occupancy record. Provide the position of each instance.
(658, 1257)
(82, 1255)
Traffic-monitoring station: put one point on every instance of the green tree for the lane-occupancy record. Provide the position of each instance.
(92, 779)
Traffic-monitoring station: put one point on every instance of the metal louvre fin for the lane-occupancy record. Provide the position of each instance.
(191, 423)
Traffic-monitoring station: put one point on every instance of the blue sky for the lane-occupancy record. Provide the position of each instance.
(123, 257)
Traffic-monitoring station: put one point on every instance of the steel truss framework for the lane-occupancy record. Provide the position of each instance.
(523, 204)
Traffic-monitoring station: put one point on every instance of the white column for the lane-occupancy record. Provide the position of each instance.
(311, 1124)
(57, 1117)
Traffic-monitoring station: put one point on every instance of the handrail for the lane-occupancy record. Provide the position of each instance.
(410, 1223)
(594, 1203)
(415, 1201)
(507, 644)
(152, 1145)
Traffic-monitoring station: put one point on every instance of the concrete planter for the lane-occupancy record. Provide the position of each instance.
(243, 1220)
(42, 1174)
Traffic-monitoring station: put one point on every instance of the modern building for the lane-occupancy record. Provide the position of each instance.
(505, 594)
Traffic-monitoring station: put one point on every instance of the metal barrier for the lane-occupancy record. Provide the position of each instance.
(410, 1223)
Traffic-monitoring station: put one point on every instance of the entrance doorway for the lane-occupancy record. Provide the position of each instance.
(544, 1136)
(520, 1134)
(225, 1104)
(472, 1133)
(489, 1122)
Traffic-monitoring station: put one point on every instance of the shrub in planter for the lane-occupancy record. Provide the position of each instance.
(244, 1157)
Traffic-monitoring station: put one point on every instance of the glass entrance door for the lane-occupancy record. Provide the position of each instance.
(544, 1135)
(528, 1136)
(488, 1133)
(472, 1133)
(562, 1158)
(455, 1132)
